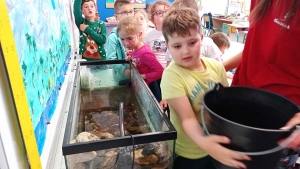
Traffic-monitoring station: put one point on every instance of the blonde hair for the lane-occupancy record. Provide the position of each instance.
(130, 25)
(177, 4)
(119, 3)
(154, 5)
(142, 11)
(180, 21)
(220, 39)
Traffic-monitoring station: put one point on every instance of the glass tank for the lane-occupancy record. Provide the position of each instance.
(115, 122)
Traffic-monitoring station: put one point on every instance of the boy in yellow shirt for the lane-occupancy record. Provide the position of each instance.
(183, 85)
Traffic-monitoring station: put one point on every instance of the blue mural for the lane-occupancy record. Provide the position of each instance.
(41, 34)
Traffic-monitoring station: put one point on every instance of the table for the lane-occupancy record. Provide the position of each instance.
(234, 49)
(232, 27)
(218, 23)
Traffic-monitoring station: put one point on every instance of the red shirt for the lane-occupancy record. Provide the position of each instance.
(271, 57)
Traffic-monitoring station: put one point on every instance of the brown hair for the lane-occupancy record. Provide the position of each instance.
(154, 5)
(185, 3)
(220, 39)
(84, 1)
(180, 21)
(130, 25)
(263, 6)
(119, 3)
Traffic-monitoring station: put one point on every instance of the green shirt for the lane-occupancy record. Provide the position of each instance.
(92, 40)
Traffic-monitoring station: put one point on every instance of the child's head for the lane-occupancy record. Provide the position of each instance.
(130, 32)
(88, 8)
(148, 8)
(142, 16)
(123, 8)
(157, 11)
(177, 4)
(182, 31)
(221, 40)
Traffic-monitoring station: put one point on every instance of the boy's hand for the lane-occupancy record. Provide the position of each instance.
(83, 27)
(295, 143)
(163, 104)
(212, 145)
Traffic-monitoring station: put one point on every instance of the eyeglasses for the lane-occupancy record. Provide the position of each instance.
(160, 13)
(126, 13)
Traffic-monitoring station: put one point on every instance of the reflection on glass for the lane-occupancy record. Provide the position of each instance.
(101, 114)
(143, 156)
(95, 117)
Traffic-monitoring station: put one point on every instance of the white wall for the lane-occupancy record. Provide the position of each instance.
(12, 151)
(219, 6)
(214, 6)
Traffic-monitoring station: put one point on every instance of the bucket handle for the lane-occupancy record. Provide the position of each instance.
(285, 143)
(218, 86)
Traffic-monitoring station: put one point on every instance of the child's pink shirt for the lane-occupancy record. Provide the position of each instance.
(147, 64)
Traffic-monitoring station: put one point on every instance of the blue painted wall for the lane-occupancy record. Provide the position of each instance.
(107, 12)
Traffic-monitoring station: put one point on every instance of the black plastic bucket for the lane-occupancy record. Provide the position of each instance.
(251, 119)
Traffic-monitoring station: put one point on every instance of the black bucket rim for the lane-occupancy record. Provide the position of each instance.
(242, 125)
(278, 148)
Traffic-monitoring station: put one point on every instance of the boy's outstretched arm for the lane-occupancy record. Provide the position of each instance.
(77, 13)
(99, 38)
(112, 53)
(210, 144)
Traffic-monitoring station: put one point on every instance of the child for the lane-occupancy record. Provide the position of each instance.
(92, 32)
(221, 40)
(130, 32)
(183, 85)
(223, 43)
(209, 48)
(155, 38)
(142, 17)
(115, 49)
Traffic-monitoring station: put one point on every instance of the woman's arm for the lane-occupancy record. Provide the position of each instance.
(233, 61)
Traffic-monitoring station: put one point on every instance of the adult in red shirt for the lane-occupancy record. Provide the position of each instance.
(271, 56)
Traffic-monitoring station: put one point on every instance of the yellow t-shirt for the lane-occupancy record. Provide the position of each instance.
(177, 82)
